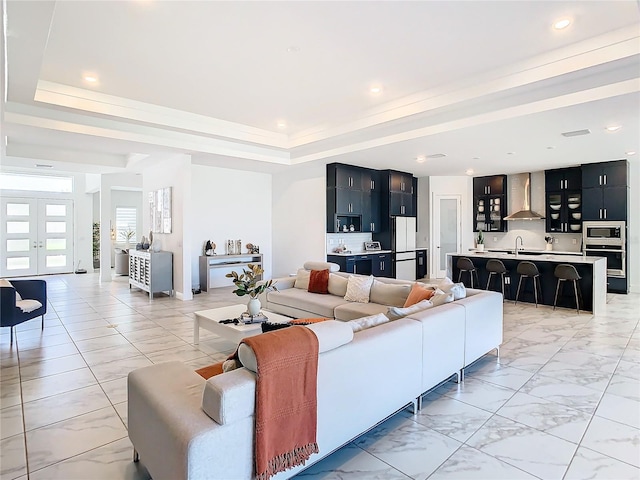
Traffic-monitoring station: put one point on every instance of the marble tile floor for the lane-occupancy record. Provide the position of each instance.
(561, 402)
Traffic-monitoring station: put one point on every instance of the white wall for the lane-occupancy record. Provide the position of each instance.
(230, 204)
(174, 172)
(299, 217)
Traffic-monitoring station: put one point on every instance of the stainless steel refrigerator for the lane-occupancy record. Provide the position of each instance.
(403, 244)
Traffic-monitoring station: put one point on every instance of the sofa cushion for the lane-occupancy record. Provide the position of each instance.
(351, 310)
(389, 294)
(367, 322)
(332, 267)
(337, 285)
(319, 281)
(302, 279)
(418, 293)
(458, 289)
(321, 305)
(359, 288)
(397, 312)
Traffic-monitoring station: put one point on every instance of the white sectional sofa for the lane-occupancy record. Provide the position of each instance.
(184, 427)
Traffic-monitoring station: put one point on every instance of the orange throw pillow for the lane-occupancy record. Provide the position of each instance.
(418, 293)
(319, 281)
(210, 370)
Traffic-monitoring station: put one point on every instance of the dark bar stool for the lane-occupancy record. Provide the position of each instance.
(466, 265)
(496, 267)
(529, 270)
(564, 273)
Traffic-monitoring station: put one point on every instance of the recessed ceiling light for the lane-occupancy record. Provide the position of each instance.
(376, 89)
(90, 78)
(562, 24)
(469, 171)
(282, 125)
(613, 128)
(293, 49)
(421, 159)
(630, 152)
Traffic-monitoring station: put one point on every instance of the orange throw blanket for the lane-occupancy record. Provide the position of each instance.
(286, 399)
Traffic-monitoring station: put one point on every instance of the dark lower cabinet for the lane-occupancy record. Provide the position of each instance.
(361, 264)
(421, 264)
(381, 265)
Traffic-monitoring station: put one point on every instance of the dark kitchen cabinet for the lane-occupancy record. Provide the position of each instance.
(490, 203)
(564, 200)
(605, 174)
(563, 179)
(370, 181)
(401, 204)
(421, 263)
(605, 191)
(381, 265)
(400, 182)
(344, 198)
(352, 263)
(493, 185)
(344, 176)
(370, 211)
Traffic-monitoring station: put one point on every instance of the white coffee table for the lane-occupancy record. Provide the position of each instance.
(210, 320)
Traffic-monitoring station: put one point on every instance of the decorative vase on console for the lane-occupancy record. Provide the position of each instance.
(247, 283)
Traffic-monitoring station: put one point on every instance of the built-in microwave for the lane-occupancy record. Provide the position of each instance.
(604, 233)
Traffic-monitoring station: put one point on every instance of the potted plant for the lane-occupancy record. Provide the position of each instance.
(127, 235)
(480, 242)
(247, 283)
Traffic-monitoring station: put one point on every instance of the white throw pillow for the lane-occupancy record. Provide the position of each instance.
(440, 298)
(7, 283)
(358, 289)
(395, 313)
(389, 293)
(459, 291)
(28, 306)
(302, 279)
(337, 285)
(445, 284)
(368, 322)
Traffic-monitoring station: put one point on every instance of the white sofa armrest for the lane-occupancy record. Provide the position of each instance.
(230, 397)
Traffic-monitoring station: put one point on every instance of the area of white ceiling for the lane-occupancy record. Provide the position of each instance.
(213, 79)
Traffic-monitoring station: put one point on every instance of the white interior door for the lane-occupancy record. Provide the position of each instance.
(447, 234)
(37, 236)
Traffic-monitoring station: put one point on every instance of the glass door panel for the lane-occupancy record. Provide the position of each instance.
(55, 240)
(447, 230)
(18, 247)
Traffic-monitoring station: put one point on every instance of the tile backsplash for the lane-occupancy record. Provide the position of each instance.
(353, 241)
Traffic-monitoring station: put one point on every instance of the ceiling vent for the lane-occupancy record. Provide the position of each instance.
(437, 155)
(577, 133)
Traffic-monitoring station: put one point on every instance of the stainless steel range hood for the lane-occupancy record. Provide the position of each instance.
(526, 213)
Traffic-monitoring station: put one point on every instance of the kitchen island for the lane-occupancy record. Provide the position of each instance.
(593, 284)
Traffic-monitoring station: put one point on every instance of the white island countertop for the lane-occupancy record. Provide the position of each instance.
(546, 256)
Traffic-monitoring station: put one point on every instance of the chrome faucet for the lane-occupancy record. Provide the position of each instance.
(521, 244)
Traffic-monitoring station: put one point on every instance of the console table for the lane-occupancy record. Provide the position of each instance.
(207, 263)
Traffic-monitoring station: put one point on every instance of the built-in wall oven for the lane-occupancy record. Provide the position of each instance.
(607, 239)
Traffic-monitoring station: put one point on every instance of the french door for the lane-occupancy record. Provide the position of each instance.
(37, 236)
(446, 231)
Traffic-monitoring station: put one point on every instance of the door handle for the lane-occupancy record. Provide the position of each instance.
(605, 182)
(599, 179)
(605, 212)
